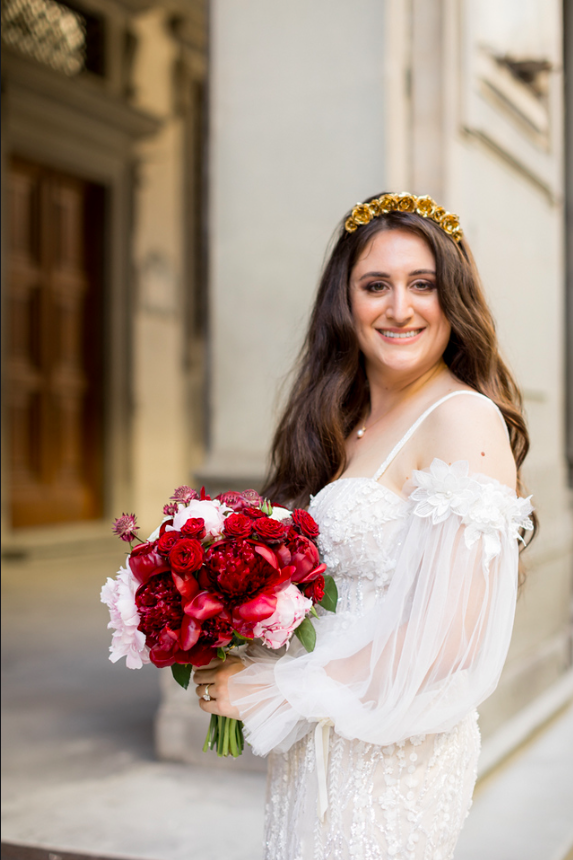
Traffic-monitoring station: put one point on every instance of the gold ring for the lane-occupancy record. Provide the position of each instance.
(206, 695)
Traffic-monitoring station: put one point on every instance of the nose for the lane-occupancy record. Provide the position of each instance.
(399, 310)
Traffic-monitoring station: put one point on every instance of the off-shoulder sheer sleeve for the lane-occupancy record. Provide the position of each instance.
(430, 649)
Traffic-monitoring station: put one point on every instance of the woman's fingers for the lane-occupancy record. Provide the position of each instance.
(201, 690)
(204, 676)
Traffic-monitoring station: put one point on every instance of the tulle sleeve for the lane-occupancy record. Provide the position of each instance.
(430, 649)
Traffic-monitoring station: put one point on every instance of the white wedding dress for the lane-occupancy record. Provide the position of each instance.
(373, 737)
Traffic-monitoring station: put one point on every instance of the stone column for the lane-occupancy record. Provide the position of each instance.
(296, 138)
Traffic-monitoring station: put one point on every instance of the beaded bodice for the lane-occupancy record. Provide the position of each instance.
(361, 525)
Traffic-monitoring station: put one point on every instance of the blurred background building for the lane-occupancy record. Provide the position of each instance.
(172, 175)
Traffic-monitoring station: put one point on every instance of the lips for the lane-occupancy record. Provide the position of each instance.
(399, 336)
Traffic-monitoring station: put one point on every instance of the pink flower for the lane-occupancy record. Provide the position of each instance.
(212, 512)
(127, 641)
(183, 495)
(125, 527)
(170, 510)
(291, 609)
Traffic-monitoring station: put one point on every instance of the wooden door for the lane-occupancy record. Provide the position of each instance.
(55, 346)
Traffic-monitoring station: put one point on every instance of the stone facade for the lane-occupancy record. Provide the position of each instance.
(229, 141)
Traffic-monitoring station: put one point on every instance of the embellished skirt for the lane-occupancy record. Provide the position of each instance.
(406, 801)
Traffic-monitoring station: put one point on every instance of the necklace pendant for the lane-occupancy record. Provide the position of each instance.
(360, 433)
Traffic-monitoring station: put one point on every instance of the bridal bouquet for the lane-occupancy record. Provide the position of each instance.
(216, 574)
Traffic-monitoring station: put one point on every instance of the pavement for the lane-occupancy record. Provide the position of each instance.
(78, 768)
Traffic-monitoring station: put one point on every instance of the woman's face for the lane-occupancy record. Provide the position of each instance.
(401, 327)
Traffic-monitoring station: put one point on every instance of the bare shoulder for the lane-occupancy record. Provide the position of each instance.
(468, 428)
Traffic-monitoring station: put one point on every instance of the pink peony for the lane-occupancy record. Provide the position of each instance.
(125, 527)
(290, 610)
(127, 641)
(212, 512)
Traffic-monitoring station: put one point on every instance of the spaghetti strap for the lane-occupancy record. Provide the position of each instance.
(409, 433)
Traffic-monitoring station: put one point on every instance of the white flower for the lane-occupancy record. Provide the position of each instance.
(291, 608)
(280, 513)
(487, 508)
(441, 489)
(127, 641)
(213, 512)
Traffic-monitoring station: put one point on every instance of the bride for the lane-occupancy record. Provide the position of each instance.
(404, 435)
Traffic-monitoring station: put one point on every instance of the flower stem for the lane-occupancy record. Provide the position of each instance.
(225, 736)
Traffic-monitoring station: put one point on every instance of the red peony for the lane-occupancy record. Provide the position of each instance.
(304, 557)
(145, 561)
(238, 526)
(218, 631)
(238, 571)
(314, 589)
(270, 530)
(167, 541)
(186, 556)
(305, 523)
(194, 528)
(159, 605)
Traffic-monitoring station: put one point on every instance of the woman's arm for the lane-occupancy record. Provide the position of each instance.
(434, 645)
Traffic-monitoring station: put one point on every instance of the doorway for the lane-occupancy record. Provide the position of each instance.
(55, 346)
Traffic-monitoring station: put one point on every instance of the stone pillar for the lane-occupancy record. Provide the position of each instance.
(296, 139)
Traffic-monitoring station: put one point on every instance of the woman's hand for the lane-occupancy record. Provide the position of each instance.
(216, 676)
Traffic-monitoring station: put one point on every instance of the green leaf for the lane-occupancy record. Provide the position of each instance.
(307, 634)
(221, 654)
(330, 598)
(266, 507)
(182, 673)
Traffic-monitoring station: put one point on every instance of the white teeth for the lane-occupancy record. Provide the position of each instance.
(401, 334)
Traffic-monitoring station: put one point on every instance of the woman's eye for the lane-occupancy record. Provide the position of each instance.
(376, 287)
(424, 285)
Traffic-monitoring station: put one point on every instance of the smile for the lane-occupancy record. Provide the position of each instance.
(387, 334)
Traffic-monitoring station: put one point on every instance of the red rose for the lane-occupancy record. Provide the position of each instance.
(238, 526)
(186, 556)
(305, 523)
(145, 561)
(270, 530)
(253, 513)
(194, 528)
(163, 526)
(314, 589)
(167, 541)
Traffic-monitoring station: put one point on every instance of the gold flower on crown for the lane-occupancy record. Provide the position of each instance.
(363, 213)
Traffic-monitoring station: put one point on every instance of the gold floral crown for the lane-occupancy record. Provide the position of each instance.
(363, 213)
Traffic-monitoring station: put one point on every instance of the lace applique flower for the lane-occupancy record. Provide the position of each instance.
(486, 509)
(442, 489)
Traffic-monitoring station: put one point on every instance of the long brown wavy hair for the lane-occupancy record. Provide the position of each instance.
(330, 391)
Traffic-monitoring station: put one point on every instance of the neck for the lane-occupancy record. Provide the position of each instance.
(386, 395)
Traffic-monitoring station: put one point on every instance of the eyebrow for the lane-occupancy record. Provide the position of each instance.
(386, 275)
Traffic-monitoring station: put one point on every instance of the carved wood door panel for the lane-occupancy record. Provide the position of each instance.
(55, 346)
